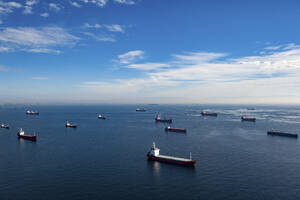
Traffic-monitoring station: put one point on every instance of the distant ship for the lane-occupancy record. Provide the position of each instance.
(5, 126)
(158, 119)
(21, 134)
(68, 125)
(31, 112)
(153, 154)
(101, 117)
(140, 110)
(168, 128)
(205, 113)
(249, 119)
(250, 108)
(279, 133)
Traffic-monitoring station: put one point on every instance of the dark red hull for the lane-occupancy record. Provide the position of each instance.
(164, 120)
(28, 137)
(170, 161)
(71, 126)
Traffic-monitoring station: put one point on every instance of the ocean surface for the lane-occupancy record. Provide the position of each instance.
(106, 159)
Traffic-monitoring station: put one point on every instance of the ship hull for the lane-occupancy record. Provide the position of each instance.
(175, 130)
(172, 161)
(164, 120)
(209, 114)
(28, 137)
(71, 126)
(276, 133)
(248, 119)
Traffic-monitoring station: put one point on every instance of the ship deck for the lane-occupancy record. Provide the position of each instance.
(173, 158)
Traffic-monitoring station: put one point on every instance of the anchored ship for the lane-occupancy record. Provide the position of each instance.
(169, 128)
(5, 126)
(140, 110)
(153, 154)
(205, 113)
(68, 125)
(21, 134)
(158, 119)
(249, 119)
(101, 117)
(31, 112)
(278, 133)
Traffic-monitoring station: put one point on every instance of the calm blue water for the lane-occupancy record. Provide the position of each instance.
(106, 159)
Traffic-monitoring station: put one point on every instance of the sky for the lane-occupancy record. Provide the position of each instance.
(149, 51)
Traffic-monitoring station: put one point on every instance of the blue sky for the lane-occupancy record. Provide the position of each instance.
(149, 51)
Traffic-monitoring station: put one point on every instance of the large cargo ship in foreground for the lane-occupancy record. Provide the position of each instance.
(21, 134)
(153, 154)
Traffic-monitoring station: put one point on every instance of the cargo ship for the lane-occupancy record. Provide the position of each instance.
(205, 113)
(153, 154)
(249, 119)
(169, 128)
(140, 110)
(68, 125)
(279, 133)
(158, 119)
(101, 117)
(5, 126)
(31, 112)
(21, 134)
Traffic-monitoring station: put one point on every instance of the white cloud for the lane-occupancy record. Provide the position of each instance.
(31, 2)
(100, 3)
(8, 7)
(86, 25)
(45, 14)
(131, 56)
(42, 50)
(55, 7)
(128, 2)
(189, 78)
(37, 38)
(100, 37)
(5, 49)
(272, 47)
(40, 78)
(75, 4)
(28, 6)
(115, 28)
(148, 66)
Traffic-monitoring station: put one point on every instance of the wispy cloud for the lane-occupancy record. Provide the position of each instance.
(87, 25)
(1, 22)
(37, 38)
(100, 37)
(44, 14)
(75, 4)
(42, 50)
(55, 7)
(100, 3)
(8, 7)
(28, 6)
(115, 28)
(128, 2)
(5, 49)
(40, 78)
(208, 77)
(3, 68)
(131, 56)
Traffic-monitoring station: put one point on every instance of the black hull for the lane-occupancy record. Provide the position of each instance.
(276, 133)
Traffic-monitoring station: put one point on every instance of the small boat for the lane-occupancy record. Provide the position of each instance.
(68, 125)
(278, 133)
(140, 110)
(5, 126)
(21, 134)
(101, 117)
(250, 108)
(158, 119)
(205, 113)
(249, 119)
(153, 154)
(31, 112)
(168, 128)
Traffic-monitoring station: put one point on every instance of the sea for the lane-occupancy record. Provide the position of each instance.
(106, 159)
